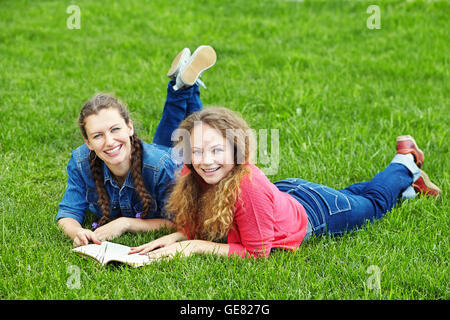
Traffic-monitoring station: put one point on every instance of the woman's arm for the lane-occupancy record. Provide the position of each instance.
(145, 225)
(203, 246)
(189, 247)
(77, 233)
(171, 244)
(121, 225)
(111, 230)
(159, 243)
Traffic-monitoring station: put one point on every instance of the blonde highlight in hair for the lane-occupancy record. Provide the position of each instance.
(207, 213)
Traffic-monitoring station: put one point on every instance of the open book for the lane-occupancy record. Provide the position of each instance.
(109, 252)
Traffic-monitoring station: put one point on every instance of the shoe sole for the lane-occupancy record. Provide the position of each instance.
(175, 64)
(408, 137)
(430, 185)
(204, 59)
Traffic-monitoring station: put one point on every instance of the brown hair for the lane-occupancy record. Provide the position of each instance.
(209, 213)
(94, 106)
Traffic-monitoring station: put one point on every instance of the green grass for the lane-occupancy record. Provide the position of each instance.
(338, 92)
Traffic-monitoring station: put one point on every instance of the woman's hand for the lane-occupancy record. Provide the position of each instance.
(159, 243)
(77, 233)
(112, 229)
(84, 236)
(185, 248)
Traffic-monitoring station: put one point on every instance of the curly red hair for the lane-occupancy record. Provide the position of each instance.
(207, 213)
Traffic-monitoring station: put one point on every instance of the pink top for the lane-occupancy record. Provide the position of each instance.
(264, 218)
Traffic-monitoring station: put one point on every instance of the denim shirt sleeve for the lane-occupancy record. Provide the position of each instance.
(73, 204)
(159, 176)
(165, 182)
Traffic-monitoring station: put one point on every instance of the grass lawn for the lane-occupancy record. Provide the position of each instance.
(338, 92)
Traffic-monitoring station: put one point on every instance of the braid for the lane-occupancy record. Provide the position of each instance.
(136, 173)
(103, 199)
(94, 106)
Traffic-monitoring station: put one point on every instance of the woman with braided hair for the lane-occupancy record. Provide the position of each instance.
(121, 179)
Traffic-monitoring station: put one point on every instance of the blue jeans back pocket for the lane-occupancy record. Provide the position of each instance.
(335, 201)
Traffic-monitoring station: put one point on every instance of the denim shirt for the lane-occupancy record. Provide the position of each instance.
(158, 172)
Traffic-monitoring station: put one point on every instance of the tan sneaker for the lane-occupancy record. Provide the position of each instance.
(180, 60)
(203, 58)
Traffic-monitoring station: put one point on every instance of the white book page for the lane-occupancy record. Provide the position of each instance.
(94, 250)
(110, 251)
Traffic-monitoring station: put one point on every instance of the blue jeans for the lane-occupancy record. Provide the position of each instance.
(339, 211)
(179, 104)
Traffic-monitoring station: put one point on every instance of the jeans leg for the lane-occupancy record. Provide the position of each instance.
(364, 202)
(356, 188)
(392, 183)
(338, 211)
(194, 103)
(378, 197)
(409, 193)
(386, 187)
(174, 112)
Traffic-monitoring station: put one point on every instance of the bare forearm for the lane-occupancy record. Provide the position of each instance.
(212, 247)
(170, 245)
(178, 236)
(70, 226)
(144, 225)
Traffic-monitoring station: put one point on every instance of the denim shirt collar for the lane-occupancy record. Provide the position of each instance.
(108, 176)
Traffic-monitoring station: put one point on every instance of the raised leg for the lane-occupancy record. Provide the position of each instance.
(175, 111)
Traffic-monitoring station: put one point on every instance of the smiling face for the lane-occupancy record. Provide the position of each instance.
(212, 154)
(108, 135)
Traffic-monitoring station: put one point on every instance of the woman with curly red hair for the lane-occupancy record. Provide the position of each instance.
(221, 194)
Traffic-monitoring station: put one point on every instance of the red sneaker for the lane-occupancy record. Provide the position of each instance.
(424, 186)
(406, 144)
